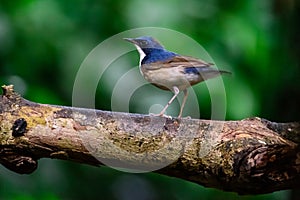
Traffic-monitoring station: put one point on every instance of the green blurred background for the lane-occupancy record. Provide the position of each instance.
(43, 43)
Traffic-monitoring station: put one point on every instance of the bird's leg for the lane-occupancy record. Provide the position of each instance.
(185, 92)
(176, 92)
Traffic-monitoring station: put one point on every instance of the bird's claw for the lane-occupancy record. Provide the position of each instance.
(160, 115)
(187, 117)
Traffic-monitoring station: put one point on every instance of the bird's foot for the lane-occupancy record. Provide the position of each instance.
(160, 115)
(187, 117)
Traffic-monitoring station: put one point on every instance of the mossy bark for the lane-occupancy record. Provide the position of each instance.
(250, 156)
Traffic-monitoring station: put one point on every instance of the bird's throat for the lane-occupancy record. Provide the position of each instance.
(142, 54)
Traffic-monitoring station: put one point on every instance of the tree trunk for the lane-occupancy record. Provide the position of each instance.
(251, 156)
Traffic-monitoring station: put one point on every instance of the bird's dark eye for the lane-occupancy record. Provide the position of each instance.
(144, 43)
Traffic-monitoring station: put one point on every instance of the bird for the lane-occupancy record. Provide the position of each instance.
(169, 70)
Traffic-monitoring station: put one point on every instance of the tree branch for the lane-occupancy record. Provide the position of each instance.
(251, 156)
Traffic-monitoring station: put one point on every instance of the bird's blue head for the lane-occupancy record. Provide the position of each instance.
(145, 43)
(150, 49)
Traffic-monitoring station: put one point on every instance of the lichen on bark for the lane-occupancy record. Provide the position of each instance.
(249, 156)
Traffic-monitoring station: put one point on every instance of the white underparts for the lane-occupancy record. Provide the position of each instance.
(141, 52)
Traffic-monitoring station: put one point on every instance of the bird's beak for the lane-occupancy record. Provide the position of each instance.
(132, 40)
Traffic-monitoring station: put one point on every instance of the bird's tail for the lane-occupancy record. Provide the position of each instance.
(225, 72)
(209, 72)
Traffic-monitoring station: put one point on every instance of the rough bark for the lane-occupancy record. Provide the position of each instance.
(251, 156)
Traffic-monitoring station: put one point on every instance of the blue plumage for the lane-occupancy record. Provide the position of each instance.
(191, 70)
(157, 55)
